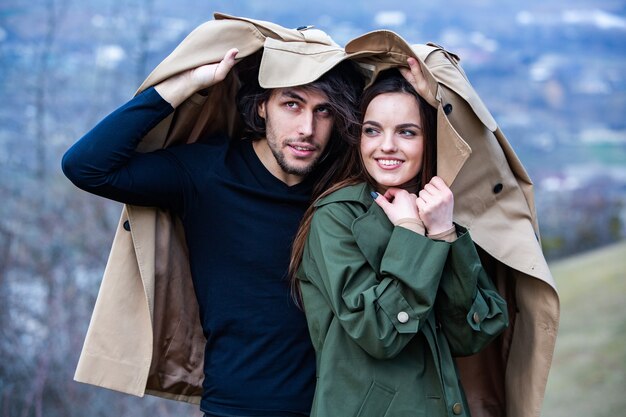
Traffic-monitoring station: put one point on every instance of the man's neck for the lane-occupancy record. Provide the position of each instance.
(265, 155)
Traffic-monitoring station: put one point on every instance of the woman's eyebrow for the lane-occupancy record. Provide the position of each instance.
(371, 122)
(405, 125)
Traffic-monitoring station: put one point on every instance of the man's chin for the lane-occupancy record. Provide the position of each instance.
(301, 170)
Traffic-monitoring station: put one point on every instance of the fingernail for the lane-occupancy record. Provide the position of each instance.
(374, 195)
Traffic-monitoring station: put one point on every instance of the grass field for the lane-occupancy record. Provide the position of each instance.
(588, 375)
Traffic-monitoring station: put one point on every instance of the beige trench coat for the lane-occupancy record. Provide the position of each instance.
(131, 347)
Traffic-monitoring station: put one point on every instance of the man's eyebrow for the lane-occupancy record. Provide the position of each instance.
(292, 94)
(295, 96)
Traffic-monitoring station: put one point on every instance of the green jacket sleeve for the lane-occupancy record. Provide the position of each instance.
(380, 309)
(469, 308)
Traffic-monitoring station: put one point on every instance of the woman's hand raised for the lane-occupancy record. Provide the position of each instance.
(436, 206)
(415, 77)
(398, 204)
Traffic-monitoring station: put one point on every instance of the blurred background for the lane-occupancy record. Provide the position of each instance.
(553, 73)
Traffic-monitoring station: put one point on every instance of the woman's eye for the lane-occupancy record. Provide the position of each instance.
(369, 131)
(408, 133)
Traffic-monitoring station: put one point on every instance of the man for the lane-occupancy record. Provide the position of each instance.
(240, 201)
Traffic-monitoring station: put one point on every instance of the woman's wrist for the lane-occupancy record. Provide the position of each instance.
(415, 225)
(447, 235)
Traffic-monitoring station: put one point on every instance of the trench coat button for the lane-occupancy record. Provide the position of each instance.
(497, 188)
(457, 408)
(403, 317)
(127, 226)
(447, 109)
(476, 317)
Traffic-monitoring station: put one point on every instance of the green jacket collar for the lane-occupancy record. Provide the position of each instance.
(372, 229)
(358, 193)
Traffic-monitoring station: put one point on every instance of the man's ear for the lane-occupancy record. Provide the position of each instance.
(261, 110)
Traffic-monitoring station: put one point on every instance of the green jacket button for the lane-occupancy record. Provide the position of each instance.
(476, 318)
(457, 408)
(403, 317)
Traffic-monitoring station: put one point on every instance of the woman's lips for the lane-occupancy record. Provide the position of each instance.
(389, 163)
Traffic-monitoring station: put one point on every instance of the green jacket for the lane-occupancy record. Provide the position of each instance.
(388, 309)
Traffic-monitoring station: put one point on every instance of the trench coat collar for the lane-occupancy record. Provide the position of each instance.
(382, 49)
(272, 30)
(291, 57)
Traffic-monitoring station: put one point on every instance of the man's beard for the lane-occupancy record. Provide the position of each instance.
(279, 154)
(301, 171)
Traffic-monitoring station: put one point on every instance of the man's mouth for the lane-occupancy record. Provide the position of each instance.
(302, 149)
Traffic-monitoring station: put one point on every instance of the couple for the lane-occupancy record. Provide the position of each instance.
(391, 289)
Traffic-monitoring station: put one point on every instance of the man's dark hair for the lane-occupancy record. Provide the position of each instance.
(342, 85)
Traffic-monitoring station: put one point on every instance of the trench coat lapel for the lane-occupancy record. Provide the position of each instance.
(452, 150)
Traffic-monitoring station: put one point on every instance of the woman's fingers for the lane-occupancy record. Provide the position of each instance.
(436, 205)
(415, 77)
(397, 204)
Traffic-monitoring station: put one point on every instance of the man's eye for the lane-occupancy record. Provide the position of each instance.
(291, 105)
(323, 110)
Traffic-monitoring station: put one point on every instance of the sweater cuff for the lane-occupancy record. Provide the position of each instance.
(448, 235)
(415, 225)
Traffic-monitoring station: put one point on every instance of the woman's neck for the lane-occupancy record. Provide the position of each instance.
(411, 186)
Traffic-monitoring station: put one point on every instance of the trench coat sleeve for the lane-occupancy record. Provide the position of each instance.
(380, 309)
(469, 308)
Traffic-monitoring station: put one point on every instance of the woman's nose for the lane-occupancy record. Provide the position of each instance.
(388, 143)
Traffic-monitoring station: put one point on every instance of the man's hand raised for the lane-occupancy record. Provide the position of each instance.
(180, 87)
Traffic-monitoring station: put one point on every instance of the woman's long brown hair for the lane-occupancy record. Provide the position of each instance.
(350, 169)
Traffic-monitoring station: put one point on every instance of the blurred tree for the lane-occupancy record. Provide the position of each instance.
(53, 239)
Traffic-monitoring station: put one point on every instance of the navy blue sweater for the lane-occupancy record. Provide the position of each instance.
(239, 222)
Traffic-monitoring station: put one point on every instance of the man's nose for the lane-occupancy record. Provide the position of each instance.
(306, 124)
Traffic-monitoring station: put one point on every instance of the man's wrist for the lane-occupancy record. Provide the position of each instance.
(175, 90)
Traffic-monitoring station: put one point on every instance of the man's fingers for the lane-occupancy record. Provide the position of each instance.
(226, 64)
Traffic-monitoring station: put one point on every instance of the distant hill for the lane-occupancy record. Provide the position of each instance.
(588, 375)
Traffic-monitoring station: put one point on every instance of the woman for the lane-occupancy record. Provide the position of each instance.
(392, 290)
